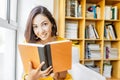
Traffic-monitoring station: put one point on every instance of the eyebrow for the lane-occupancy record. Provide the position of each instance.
(42, 22)
(34, 24)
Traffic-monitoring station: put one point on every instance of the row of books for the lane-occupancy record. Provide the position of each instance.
(110, 53)
(93, 11)
(111, 12)
(73, 8)
(109, 32)
(107, 68)
(91, 32)
(92, 51)
(91, 65)
(71, 29)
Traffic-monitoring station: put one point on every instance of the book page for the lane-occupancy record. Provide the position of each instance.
(80, 72)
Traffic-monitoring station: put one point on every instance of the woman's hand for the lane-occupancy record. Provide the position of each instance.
(59, 75)
(35, 74)
(54, 75)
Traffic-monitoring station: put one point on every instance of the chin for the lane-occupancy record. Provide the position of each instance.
(44, 38)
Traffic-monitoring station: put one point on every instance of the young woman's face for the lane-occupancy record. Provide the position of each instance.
(42, 27)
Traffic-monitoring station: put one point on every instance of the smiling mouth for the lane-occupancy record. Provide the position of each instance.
(43, 35)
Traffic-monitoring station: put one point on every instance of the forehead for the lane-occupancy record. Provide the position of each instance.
(40, 18)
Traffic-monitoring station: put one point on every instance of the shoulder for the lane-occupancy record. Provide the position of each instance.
(60, 38)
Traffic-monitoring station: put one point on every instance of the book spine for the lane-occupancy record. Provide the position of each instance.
(42, 57)
(48, 54)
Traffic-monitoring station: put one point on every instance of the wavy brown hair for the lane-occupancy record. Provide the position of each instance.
(29, 33)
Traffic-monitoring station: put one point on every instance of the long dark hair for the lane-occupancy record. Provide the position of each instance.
(29, 33)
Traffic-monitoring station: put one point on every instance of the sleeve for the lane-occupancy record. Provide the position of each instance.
(23, 77)
(47, 78)
(68, 77)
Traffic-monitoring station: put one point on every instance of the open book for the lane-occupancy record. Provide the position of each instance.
(56, 54)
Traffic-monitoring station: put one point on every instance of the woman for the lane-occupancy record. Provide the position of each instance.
(41, 28)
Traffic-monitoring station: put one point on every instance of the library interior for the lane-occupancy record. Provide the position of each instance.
(91, 25)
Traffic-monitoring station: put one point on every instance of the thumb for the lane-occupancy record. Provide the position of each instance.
(30, 66)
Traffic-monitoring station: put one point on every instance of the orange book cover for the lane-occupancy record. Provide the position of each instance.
(57, 54)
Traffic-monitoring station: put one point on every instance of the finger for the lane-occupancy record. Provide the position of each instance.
(30, 66)
(40, 66)
(48, 70)
(54, 75)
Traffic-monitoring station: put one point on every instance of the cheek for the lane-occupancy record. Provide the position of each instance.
(49, 29)
(35, 31)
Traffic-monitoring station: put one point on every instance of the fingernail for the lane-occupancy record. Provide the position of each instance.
(43, 62)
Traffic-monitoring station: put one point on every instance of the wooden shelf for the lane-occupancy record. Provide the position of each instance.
(100, 24)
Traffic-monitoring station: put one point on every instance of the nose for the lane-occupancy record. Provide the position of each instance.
(40, 30)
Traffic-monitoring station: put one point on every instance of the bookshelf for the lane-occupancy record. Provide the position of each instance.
(98, 18)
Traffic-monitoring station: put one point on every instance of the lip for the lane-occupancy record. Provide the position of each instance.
(43, 35)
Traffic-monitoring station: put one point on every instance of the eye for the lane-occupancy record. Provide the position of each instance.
(35, 26)
(45, 24)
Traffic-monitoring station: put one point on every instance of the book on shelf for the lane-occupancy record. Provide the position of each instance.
(95, 54)
(93, 11)
(98, 11)
(111, 12)
(73, 8)
(68, 3)
(114, 12)
(79, 11)
(89, 11)
(56, 54)
(95, 32)
(113, 53)
(107, 70)
(91, 32)
(92, 51)
(110, 32)
(91, 65)
(94, 68)
(71, 29)
(108, 12)
(110, 52)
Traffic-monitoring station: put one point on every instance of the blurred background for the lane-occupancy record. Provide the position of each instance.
(13, 17)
